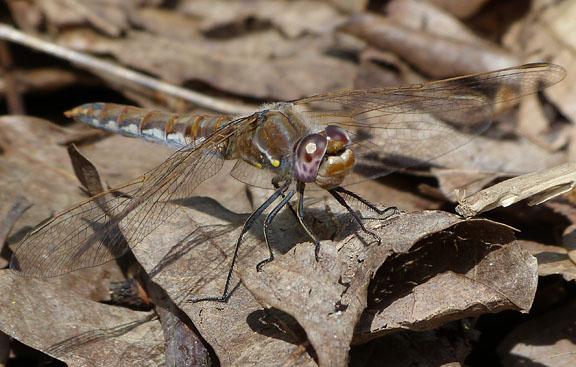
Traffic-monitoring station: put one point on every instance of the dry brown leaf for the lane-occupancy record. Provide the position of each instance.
(504, 156)
(177, 328)
(282, 78)
(551, 259)
(293, 18)
(32, 146)
(58, 13)
(395, 191)
(265, 44)
(446, 346)
(167, 23)
(451, 57)
(326, 298)
(33, 166)
(425, 17)
(451, 182)
(19, 206)
(26, 15)
(547, 340)
(372, 75)
(434, 267)
(569, 240)
(43, 79)
(107, 16)
(464, 269)
(205, 234)
(461, 9)
(189, 257)
(349, 6)
(535, 125)
(76, 330)
(546, 34)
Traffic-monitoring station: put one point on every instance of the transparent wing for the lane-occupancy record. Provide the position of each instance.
(99, 229)
(395, 128)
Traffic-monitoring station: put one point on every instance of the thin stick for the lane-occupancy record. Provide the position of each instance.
(540, 186)
(92, 63)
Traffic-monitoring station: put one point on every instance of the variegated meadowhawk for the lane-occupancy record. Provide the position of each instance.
(329, 140)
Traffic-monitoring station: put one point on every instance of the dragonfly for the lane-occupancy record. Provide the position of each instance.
(328, 141)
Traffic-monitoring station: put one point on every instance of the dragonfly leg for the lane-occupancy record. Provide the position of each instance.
(366, 202)
(247, 225)
(269, 219)
(276, 186)
(358, 220)
(300, 214)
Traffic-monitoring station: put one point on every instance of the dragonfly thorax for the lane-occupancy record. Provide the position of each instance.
(270, 143)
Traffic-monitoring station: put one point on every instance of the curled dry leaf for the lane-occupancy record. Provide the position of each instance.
(86, 172)
(447, 269)
(451, 57)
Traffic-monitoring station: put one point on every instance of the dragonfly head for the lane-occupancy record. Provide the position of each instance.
(324, 158)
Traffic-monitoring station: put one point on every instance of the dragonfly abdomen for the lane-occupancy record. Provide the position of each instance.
(164, 127)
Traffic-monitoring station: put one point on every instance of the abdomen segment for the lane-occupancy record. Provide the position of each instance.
(158, 126)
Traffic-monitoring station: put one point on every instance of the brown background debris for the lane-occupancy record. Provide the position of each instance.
(439, 290)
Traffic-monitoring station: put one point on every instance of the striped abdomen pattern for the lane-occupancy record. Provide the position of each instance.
(164, 127)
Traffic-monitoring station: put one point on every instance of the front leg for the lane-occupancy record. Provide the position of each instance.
(300, 214)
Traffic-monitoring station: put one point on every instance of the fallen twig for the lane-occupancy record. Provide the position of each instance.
(541, 186)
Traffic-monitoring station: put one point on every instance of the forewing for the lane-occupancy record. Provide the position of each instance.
(394, 128)
(99, 229)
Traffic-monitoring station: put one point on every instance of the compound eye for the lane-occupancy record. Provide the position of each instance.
(337, 138)
(308, 156)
